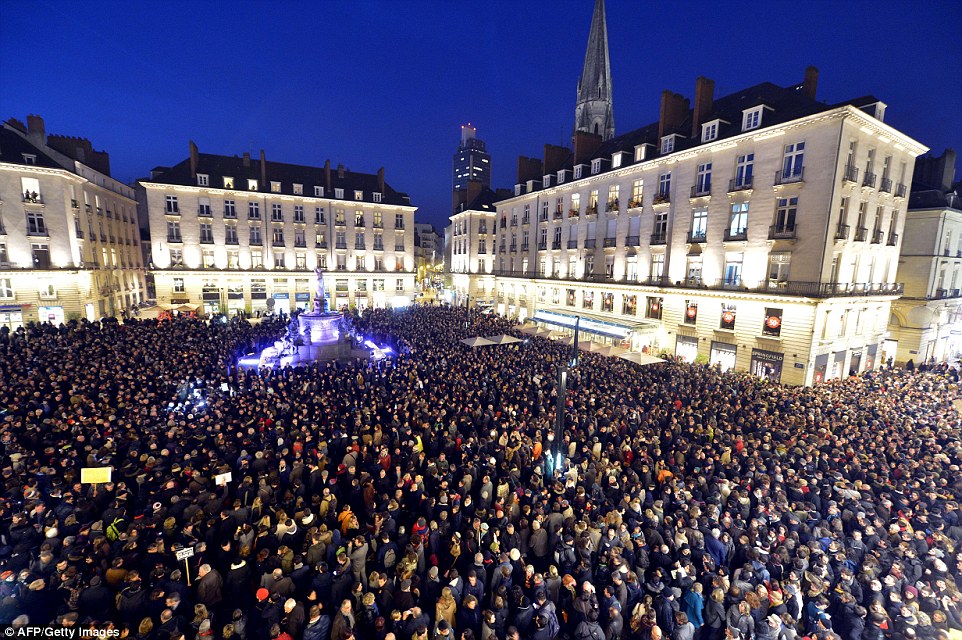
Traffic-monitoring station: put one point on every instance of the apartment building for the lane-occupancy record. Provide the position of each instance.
(472, 249)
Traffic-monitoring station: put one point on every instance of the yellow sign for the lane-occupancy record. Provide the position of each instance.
(95, 475)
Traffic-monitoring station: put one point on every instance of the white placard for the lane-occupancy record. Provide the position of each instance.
(183, 554)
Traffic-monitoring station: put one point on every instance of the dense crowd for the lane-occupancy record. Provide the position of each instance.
(416, 498)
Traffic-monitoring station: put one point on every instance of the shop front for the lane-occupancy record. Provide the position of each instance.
(53, 315)
(767, 364)
(302, 300)
(686, 348)
(282, 303)
(870, 352)
(723, 355)
(11, 316)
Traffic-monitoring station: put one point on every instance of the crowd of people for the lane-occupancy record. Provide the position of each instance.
(420, 497)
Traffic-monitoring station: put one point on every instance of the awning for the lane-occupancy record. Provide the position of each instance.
(502, 339)
(641, 358)
(477, 341)
(594, 324)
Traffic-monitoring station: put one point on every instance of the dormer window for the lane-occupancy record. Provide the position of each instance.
(668, 143)
(876, 110)
(578, 171)
(228, 182)
(752, 118)
(298, 189)
(641, 152)
(339, 194)
(709, 131)
(252, 185)
(203, 180)
(616, 159)
(546, 180)
(29, 158)
(517, 192)
(595, 166)
(561, 176)
(275, 187)
(358, 195)
(318, 192)
(377, 196)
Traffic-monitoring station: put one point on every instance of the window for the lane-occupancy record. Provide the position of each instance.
(255, 235)
(596, 165)
(339, 218)
(358, 218)
(41, 255)
(593, 201)
(176, 257)
(358, 195)
(691, 312)
(727, 316)
(207, 257)
(29, 158)
(279, 260)
(230, 233)
(6, 288)
(376, 196)
(299, 213)
(173, 231)
(318, 192)
(339, 194)
(609, 266)
(359, 263)
(299, 240)
(378, 220)
(743, 170)
(693, 273)
(36, 226)
(575, 204)
(629, 305)
(657, 265)
(752, 118)
(785, 215)
(257, 261)
(738, 222)
(664, 185)
(482, 246)
(298, 189)
(709, 131)
(340, 240)
(277, 214)
(578, 171)
(653, 307)
(793, 161)
(399, 285)
(319, 215)
(668, 144)
(206, 233)
(275, 187)
(570, 299)
(773, 322)
(203, 180)
(230, 211)
(637, 193)
(607, 301)
(378, 241)
(703, 179)
(228, 182)
(277, 236)
(171, 204)
(733, 269)
(253, 211)
(252, 185)
(613, 192)
(4, 257)
(778, 268)
(660, 227)
(359, 240)
(590, 264)
(399, 221)
(179, 285)
(616, 160)
(378, 284)
(362, 285)
(699, 224)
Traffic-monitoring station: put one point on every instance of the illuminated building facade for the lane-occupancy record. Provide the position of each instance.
(69, 238)
(237, 234)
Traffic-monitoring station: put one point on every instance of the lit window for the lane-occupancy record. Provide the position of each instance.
(298, 189)
(358, 195)
(228, 183)
(252, 185)
(275, 187)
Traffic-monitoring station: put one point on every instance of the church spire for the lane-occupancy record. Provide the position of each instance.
(593, 112)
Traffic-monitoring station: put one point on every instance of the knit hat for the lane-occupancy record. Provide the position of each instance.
(262, 594)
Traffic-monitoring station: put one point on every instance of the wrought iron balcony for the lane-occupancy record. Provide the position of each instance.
(877, 236)
(659, 237)
(870, 179)
(278, 243)
(733, 235)
(557, 215)
(661, 198)
(321, 245)
(555, 244)
(886, 186)
(700, 191)
(635, 203)
(300, 244)
(782, 231)
(740, 185)
(590, 243)
(900, 190)
(633, 241)
(591, 210)
(893, 239)
(514, 248)
(851, 173)
(542, 246)
(340, 245)
(860, 234)
(795, 175)
(170, 238)
(941, 294)
(612, 205)
(74, 204)
(842, 231)
(696, 236)
(572, 244)
(524, 247)
(573, 213)
(610, 242)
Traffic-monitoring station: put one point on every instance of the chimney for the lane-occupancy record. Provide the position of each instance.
(193, 160)
(528, 169)
(811, 82)
(585, 145)
(340, 171)
(704, 100)
(247, 159)
(327, 179)
(555, 157)
(36, 130)
(674, 110)
(263, 169)
(380, 180)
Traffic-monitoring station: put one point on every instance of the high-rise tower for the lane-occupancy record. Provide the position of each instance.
(471, 160)
(593, 113)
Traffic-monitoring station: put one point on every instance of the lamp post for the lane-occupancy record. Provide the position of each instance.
(556, 463)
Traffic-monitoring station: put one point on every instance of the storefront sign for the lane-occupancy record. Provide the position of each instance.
(767, 364)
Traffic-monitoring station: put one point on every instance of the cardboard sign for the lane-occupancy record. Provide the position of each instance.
(221, 479)
(183, 554)
(95, 475)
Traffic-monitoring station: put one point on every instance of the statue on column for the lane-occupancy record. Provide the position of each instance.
(320, 296)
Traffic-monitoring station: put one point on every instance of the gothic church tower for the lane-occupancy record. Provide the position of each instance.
(593, 112)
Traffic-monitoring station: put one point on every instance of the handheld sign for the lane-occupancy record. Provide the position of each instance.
(186, 552)
(221, 479)
(95, 475)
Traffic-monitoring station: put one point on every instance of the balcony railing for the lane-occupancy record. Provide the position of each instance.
(696, 236)
(877, 236)
(781, 231)
(170, 238)
(340, 245)
(612, 205)
(591, 210)
(842, 231)
(860, 234)
(851, 173)
(321, 245)
(661, 198)
(555, 244)
(591, 243)
(870, 179)
(700, 191)
(893, 239)
(202, 211)
(732, 235)
(572, 244)
(900, 190)
(941, 294)
(32, 197)
(635, 203)
(740, 185)
(300, 244)
(610, 242)
(278, 243)
(514, 248)
(359, 246)
(573, 213)
(524, 247)
(74, 204)
(795, 175)
(659, 237)
(633, 241)
(886, 186)
(542, 246)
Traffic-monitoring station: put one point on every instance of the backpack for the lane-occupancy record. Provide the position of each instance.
(114, 529)
(590, 631)
(390, 558)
